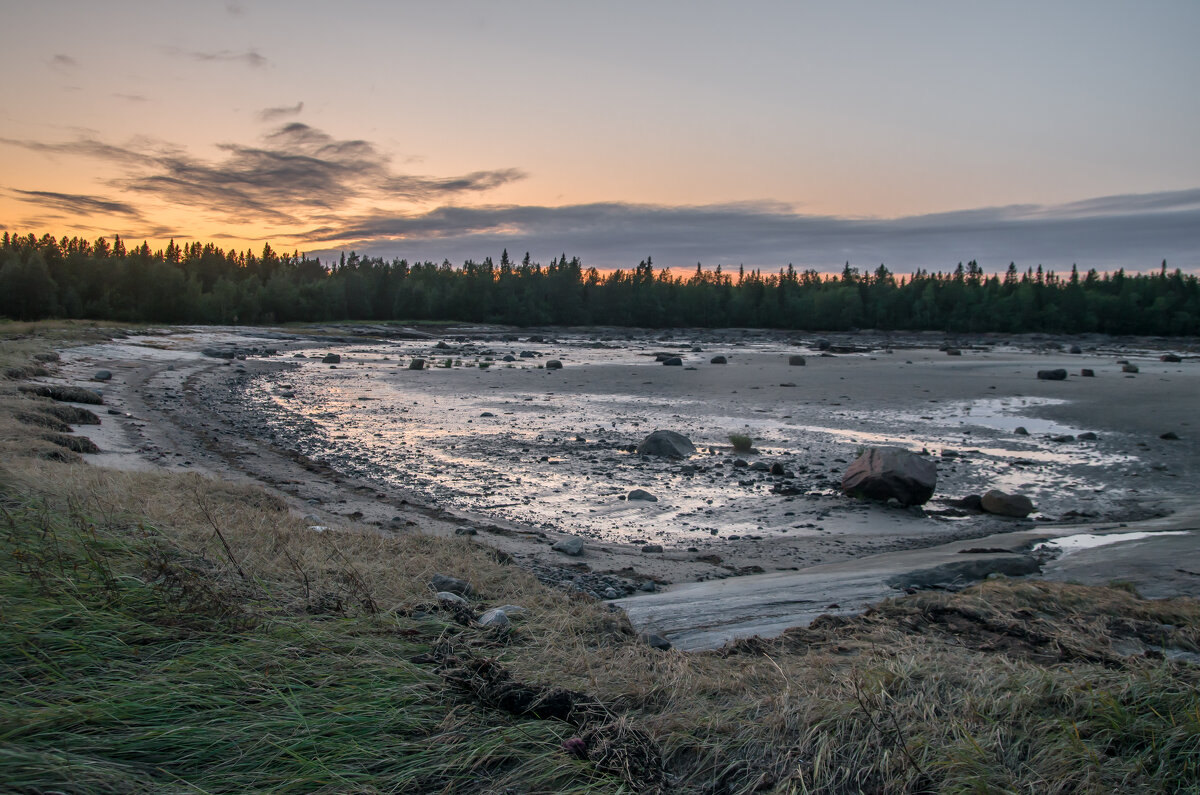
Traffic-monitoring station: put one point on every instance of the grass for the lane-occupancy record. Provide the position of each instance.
(173, 633)
(741, 442)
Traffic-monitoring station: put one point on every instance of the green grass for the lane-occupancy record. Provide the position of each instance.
(741, 442)
(118, 682)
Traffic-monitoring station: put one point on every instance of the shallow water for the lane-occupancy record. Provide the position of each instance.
(1079, 541)
(552, 453)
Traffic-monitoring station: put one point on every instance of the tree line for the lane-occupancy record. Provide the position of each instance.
(201, 283)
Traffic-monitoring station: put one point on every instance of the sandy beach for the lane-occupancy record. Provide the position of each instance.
(521, 456)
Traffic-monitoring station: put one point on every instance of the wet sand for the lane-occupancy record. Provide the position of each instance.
(367, 441)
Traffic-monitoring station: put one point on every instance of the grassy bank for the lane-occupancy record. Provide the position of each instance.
(173, 633)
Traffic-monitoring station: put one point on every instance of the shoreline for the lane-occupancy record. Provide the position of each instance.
(163, 399)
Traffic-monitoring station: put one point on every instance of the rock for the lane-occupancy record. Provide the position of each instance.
(1075, 349)
(760, 466)
(971, 502)
(674, 361)
(718, 360)
(554, 364)
(652, 548)
(446, 597)
(883, 472)
(821, 344)
(1052, 375)
(655, 641)
(416, 364)
(569, 546)
(953, 352)
(1169, 357)
(1066, 437)
(610, 593)
(442, 346)
(529, 354)
(668, 444)
(960, 573)
(796, 361)
(508, 357)
(641, 494)
(444, 582)
(1087, 373)
(496, 617)
(1087, 436)
(1169, 436)
(102, 375)
(331, 358)
(218, 353)
(1020, 430)
(1002, 504)
(777, 468)
(1129, 368)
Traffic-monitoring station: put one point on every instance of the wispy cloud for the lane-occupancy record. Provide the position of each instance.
(64, 62)
(76, 204)
(296, 175)
(251, 57)
(1107, 232)
(130, 97)
(274, 114)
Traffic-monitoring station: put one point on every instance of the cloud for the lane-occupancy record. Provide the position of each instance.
(297, 175)
(273, 114)
(130, 97)
(250, 58)
(234, 9)
(64, 62)
(1135, 231)
(76, 204)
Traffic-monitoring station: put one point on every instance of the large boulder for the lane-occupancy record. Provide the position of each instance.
(331, 358)
(569, 545)
(796, 361)
(1002, 504)
(1052, 375)
(667, 444)
(718, 360)
(554, 364)
(883, 473)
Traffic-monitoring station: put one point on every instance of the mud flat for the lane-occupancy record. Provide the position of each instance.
(521, 455)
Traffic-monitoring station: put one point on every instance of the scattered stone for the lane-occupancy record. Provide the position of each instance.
(652, 548)
(444, 582)
(655, 641)
(718, 360)
(445, 597)
(1087, 372)
(496, 617)
(882, 472)
(668, 444)
(1003, 504)
(1052, 375)
(569, 546)
(797, 361)
(416, 364)
(1169, 436)
(610, 593)
(102, 375)
(674, 361)
(529, 354)
(554, 364)
(1129, 368)
(641, 494)
(1169, 357)
(331, 358)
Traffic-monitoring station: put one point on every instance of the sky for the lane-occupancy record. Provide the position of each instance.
(914, 134)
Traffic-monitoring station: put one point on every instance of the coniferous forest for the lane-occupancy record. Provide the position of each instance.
(201, 283)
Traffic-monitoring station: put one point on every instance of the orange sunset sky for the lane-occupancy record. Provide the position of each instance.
(765, 133)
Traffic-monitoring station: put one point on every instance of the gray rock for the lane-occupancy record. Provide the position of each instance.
(610, 593)
(883, 472)
(655, 641)
(554, 364)
(953, 352)
(652, 548)
(569, 546)
(1169, 436)
(446, 597)
(1052, 375)
(529, 354)
(797, 361)
(508, 357)
(1129, 368)
(821, 344)
(1170, 358)
(496, 617)
(1087, 436)
(1021, 430)
(1087, 372)
(102, 375)
(1075, 349)
(668, 444)
(674, 361)
(444, 582)
(717, 360)
(960, 573)
(416, 364)
(641, 494)
(331, 358)
(1003, 504)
